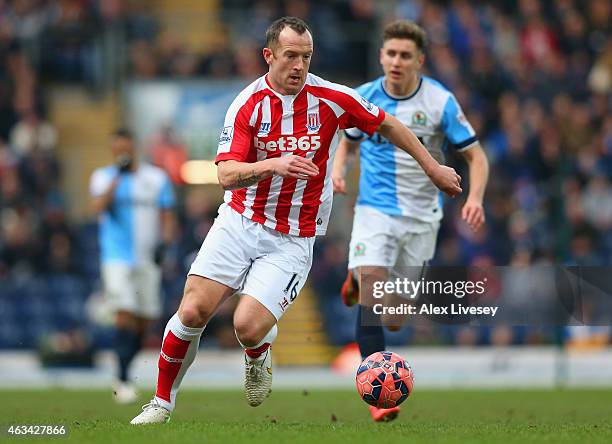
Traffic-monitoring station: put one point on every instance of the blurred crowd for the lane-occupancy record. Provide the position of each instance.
(533, 76)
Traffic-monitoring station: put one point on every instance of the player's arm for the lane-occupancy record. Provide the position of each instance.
(168, 226)
(445, 178)
(100, 202)
(166, 201)
(234, 175)
(472, 212)
(345, 150)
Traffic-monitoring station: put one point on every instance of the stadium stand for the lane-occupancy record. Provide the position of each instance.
(534, 77)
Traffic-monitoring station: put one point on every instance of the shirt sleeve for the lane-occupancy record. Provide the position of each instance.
(456, 127)
(361, 114)
(166, 198)
(100, 180)
(353, 110)
(235, 139)
(354, 134)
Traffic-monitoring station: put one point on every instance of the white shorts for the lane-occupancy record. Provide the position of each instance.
(379, 239)
(133, 288)
(255, 260)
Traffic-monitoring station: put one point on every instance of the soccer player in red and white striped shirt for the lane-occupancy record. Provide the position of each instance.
(274, 161)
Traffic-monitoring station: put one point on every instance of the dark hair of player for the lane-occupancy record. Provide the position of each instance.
(405, 29)
(123, 133)
(274, 30)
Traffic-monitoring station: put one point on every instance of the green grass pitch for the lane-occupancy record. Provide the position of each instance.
(319, 416)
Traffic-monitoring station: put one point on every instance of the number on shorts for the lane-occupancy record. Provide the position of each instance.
(291, 287)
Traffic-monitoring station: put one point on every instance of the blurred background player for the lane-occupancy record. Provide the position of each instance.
(398, 210)
(134, 202)
(274, 162)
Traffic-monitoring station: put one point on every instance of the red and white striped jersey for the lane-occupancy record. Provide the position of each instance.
(262, 124)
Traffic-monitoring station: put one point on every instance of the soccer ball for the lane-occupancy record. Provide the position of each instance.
(384, 380)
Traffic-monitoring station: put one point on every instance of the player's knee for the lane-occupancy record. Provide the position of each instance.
(248, 332)
(192, 316)
(193, 311)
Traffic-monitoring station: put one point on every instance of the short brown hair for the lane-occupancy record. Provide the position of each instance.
(405, 29)
(274, 30)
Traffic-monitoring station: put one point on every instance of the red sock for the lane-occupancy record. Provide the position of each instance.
(170, 360)
(255, 353)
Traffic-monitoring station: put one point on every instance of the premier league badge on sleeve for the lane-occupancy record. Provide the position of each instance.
(226, 135)
(370, 107)
(367, 105)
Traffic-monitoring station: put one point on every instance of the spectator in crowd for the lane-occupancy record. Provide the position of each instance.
(168, 153)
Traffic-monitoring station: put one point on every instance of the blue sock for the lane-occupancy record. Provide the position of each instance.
(127, 345)
(371, 338)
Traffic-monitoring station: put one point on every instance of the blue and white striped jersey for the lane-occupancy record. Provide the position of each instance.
(130, 228)
(390, 179)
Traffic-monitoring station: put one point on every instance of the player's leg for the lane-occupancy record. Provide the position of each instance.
(121, 293)
(370, 333)
(369, 330)
(218, 270)
(271, 286)
(372, 250)
(126, 342)
(416, 250)
(256, 330)
(201, 298)
(145, 280)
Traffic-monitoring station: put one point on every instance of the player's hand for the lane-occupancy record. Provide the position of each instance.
(295, 167)
(446, 179)
(338, 182)
(124, 163)
(473, 214)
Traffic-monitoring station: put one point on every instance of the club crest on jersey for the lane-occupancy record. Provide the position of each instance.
(264, 129)
(461, 118)
(313, 123)
(419, 118)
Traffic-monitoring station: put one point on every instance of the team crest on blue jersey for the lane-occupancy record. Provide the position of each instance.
(419, 118)
(313, 123)
(461, 118)
(264, 129)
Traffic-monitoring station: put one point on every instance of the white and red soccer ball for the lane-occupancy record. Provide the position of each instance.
(384, 380)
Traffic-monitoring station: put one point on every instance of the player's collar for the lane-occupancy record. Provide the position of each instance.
(284, 96)
(409, 96)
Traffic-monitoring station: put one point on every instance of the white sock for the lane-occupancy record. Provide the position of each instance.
(267, 339)
(165, 379)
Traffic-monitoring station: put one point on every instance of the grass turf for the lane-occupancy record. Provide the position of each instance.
(296, 416)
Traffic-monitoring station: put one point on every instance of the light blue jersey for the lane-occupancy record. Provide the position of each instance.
(130, 227)
(390, 179)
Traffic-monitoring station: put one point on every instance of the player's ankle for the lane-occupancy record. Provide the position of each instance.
(164, 403)
(258, 353)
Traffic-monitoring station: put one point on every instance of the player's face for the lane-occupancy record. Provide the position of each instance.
(289, 61)
(401, 61)
(122, 146)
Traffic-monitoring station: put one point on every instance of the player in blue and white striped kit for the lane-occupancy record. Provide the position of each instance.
(398, 210)
(134, 201)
